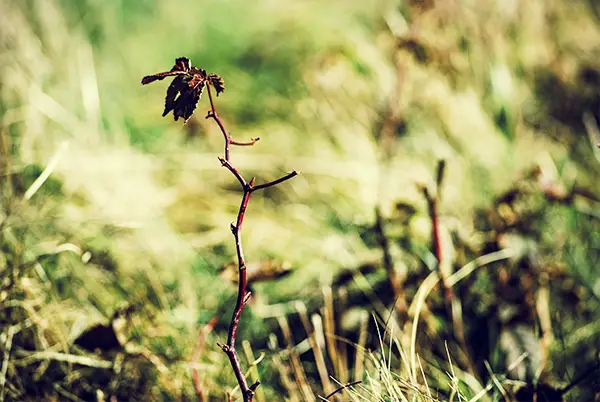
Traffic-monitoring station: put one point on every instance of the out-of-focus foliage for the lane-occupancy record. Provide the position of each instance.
(115, 221)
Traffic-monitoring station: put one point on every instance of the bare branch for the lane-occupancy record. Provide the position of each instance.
(200, 78)
(235, 172)
(275, 182)
(245, 144)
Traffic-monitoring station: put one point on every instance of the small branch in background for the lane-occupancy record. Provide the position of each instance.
(245, 144)
(453, 305)
(204, 332)
(182, 97)
(340, 389)
(212, 114)
(436, 244)
(388, 264)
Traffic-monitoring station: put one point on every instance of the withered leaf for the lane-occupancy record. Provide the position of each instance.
(159, 76)
(186, 88)
(177, 85)
(185, 104)
(217, 82)
(182, 64)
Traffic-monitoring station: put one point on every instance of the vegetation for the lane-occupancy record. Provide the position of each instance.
(442, 242)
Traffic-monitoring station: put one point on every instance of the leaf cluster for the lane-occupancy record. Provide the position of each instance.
(186, 88)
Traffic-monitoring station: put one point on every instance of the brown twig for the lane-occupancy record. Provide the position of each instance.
(436, 244)
(388, 264)
(453, 305)
(182, 96)
(212, 114)
(236, 229)
(340, 389)
(245, 144)
(204, 331)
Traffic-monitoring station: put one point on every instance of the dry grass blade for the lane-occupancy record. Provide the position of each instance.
(360, 350)
(37, 184)
(301, 380)
(10, 333)
(260, 395)
(62, 357)
(314, 344)
(329, 321)
(496, 382)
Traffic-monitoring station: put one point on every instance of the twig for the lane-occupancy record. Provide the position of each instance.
(245, 144)
(182, 96)
(453, 305)
(207, 329)
(436, 244)
(212, 114)
(275, 182)
(431, 281)
(388, 264)
(340, 389)
(234, 171)
(236, 229)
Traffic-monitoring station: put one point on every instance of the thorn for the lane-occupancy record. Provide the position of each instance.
(254, 386)
(209, 114)
(222, 160)
(233, 228)
(251, 184)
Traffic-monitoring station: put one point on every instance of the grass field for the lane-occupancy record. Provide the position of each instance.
(441, 243)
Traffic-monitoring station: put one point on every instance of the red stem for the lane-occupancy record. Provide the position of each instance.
(212, 114)
(448, 293)
(236, 230)
(436, 244)
(242, 298)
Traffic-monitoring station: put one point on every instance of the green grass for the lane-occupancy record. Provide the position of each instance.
(364, 99)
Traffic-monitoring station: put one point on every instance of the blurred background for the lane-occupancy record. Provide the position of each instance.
(441, 243)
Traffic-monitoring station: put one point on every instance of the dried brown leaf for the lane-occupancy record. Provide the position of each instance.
(186, 88)
(217, 82)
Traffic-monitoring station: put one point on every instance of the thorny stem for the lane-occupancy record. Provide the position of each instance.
(452, 303)
(242, 297)
(236, 229)
(212, 114)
